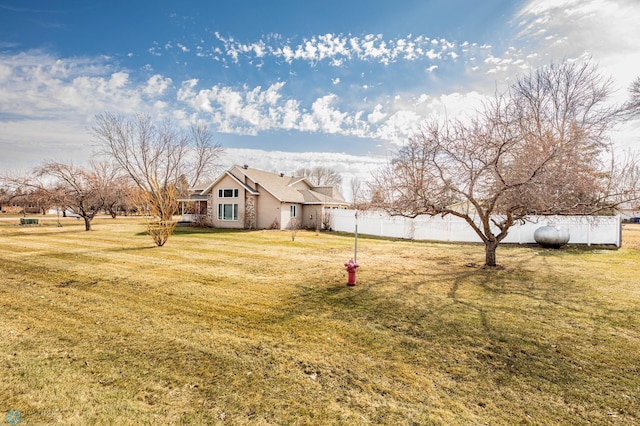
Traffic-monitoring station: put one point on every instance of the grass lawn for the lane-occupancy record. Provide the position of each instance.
(226, 327)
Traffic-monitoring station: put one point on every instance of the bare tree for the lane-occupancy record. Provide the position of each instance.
(5, 197)
(119, 190)
(295, 227)
(633, 106)
(157, 158)
(360, 194)
(82, 190)
(540, 149)
(321, 176)
(28, 193)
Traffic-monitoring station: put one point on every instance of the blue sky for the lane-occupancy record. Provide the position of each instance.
(286, 84)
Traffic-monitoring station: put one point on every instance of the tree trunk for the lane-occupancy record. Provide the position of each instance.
(490, 253)
(87, 223)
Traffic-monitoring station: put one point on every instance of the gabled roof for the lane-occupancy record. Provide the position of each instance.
(314, 197)
(209, 187)
(278, 185)
(286, 189)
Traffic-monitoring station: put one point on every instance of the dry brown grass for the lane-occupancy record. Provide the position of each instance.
(240, 328)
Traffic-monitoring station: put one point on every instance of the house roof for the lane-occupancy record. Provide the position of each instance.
(314, 197)
(193, 197)
(209, 187)
(286, 189)
(278, 185)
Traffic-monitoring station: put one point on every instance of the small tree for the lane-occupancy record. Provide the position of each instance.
(295, 227)
(157, 158)
(540, 149)
(83, 190)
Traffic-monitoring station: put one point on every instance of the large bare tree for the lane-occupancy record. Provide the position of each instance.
(157, 157)
(542, 148)
(321, 176)
(633, 105)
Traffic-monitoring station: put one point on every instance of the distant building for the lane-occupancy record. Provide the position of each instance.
(630, 212)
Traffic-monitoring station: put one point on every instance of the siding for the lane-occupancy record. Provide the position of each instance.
(213, 201)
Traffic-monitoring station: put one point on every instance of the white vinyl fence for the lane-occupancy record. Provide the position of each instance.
(588, 230)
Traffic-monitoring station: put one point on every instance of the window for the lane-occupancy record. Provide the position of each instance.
(228, 193)
(227, 211)
(293, 211)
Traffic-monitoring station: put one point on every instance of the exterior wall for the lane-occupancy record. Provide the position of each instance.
(213, 200)
(267, 211)
(312, 216)
(250, 211)
(286, 219)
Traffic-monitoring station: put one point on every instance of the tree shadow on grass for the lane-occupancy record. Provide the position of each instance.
(505, 327)
(52, 231)
(192, 230)
(131, 249)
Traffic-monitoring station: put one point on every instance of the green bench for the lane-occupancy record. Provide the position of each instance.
(28, 221)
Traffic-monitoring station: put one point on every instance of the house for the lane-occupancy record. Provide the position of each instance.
(630, 212)
(243, 197)
(193, 207)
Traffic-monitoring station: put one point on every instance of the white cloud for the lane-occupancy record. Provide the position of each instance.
(399, 126)
(329, 119)
(157, 85)
(244, 111)
(251, 110)
(603, 29)
(337, 49)
(35, 85)
(118, 80)
(50, 102)
(290, 114)
(377, 115)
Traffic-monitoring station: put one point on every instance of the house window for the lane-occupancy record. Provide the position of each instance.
(293, 211)
(228, 193)
(227, 212)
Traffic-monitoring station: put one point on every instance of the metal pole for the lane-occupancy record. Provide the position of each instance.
(355, 246)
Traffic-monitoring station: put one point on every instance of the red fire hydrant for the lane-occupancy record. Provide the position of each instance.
(351, 269)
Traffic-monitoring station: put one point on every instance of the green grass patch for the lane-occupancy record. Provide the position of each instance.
(237, 327)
